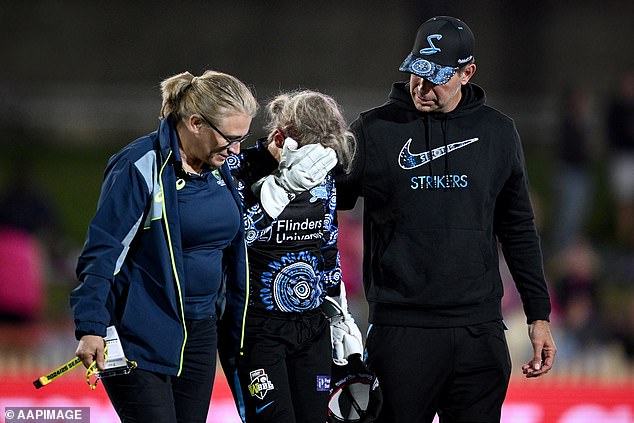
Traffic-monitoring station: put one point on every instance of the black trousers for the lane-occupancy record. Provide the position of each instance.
(460, 373)
(285, 371)
(144, 396)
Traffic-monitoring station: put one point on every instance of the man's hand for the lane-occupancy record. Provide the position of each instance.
(91, 347)
(544, 349)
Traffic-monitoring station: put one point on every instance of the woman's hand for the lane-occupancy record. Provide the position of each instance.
(91, 348)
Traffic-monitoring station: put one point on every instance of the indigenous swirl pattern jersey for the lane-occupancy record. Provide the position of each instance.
(293, 260)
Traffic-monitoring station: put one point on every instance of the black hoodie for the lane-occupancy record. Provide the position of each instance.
(440, 190)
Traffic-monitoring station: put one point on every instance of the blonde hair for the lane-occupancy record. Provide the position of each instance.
(310, 117)
(213, 95)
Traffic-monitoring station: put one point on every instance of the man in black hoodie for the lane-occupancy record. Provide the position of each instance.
(443, 180)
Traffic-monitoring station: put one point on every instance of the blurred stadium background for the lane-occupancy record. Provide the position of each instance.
(80, 79)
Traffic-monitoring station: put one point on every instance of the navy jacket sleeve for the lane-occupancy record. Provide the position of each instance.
(122, 202)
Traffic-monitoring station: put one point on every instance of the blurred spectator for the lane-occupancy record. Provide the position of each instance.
(576, 289)
(350, 243)
(27, 217)
(620, 130)
(573, 184)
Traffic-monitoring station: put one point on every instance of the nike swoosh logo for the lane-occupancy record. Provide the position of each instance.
(408, 160)
(258, 410)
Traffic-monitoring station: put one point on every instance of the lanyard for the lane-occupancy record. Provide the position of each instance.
(91, 371)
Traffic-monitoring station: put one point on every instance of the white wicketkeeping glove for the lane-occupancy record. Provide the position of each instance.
(300, 169)
(345, 335)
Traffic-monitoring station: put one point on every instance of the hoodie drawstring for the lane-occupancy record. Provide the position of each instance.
(428, 143)
(445, 136)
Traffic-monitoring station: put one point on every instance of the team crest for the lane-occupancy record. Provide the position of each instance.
(218, 177)
(260, 383)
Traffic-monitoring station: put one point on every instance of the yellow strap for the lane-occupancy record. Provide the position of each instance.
(65, 368)
(94, 370)
(45, 380)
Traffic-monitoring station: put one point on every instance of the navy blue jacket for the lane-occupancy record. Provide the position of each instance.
(131, 267)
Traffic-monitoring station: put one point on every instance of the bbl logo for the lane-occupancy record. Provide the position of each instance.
(260, 383)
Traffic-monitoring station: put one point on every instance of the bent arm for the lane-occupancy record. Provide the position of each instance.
(120, 210)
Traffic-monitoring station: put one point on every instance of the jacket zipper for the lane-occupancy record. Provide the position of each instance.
(246, 296)
(169, 244)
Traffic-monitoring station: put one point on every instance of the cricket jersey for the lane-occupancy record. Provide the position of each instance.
(293, 260)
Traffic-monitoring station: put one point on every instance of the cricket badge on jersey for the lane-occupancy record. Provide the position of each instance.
(260, 383)
(323, 190)
(318, 193)
(218, 177)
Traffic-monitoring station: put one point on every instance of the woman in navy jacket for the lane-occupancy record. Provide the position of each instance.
(164, 258)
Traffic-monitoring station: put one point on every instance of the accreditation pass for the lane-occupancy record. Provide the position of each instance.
(116, 357)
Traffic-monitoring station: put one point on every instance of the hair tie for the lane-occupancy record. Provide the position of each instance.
(194, 79)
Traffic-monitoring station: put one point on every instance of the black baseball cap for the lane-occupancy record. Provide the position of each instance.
(443, 44)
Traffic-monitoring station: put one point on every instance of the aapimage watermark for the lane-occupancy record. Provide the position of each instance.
(47, 414)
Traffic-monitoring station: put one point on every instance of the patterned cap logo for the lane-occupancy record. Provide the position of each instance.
(432, 49)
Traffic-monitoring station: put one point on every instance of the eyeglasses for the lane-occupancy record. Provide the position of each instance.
(230, 141)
